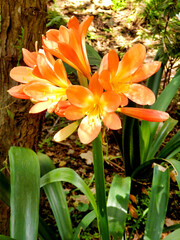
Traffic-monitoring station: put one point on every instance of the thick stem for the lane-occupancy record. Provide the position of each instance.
(100, 188)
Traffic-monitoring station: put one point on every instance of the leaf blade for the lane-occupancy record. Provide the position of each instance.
(158, 203)
(25, 190)
(57, 199)
(69, 175)
(117, 204)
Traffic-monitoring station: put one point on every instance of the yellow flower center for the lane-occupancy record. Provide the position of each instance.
(121, 85)
(94, 112)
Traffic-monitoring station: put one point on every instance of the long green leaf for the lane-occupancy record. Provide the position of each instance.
(57, 199)
(2, 237)
(25, 192)
(167, 94)
(93, 56)
(69, 175)
(158, 203)
(174, 235)
(148, 129)
(130, 144)
(170, 147)
(117, 204)
(45, 233)
(4, 189)
(162, 133)
(154, 81)
(176, 166)
(85, 222)
(98, 160)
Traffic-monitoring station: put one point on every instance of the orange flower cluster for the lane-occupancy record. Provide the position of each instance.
(44, 81)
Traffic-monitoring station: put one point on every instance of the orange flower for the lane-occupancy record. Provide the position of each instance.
(145, 114)
(122, 77)
(93, 105)
(45, 83)
(69, 44)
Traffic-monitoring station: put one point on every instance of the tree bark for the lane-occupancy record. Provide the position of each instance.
(22, 22)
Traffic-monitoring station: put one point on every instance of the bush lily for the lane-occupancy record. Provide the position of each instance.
(100, 98)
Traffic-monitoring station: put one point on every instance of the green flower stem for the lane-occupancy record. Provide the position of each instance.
(100, 188)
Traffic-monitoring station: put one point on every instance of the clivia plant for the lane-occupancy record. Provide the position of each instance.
(98, 100)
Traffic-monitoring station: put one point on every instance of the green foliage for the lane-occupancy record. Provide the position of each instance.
(119, 4)
(55, 19)
(161, 17)
(25, 190)
(19, 45)
(158, 203)
(142, 141)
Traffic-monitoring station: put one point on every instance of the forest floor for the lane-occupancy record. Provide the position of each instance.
(116, 30)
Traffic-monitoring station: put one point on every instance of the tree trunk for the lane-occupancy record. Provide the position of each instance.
(22, 22)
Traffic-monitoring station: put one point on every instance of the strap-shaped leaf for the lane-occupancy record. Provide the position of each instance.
(117, 204)
(57, 199)
(69, 175)
(4, 189)
(162, 133)
(93, 56)
(171, 147)
(45, 232)
(153, 82)
(148, 129)
(85, 222)
(158, 203)
(25, 192)
(176, 165)
(102, 216)
(130, 144)
(2, 237)
(167, 94)
(174, 235)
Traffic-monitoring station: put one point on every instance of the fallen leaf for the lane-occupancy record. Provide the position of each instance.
(133, 198)
(169, 222)
(132, 211)
(88, 156)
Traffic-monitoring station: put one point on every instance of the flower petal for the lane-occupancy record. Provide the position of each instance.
(44, 91)
(22, 74)
(145, 71)
(110, 101)
(73, 23)
(140, 94)
(18, 92)
(53, 35)
(74, 113)
(104, 63)
(145, 114)
(83, 28)
(104, 79)
(46, 71)
(65, 132)
(60, 108)
(61, 74)
(85, 25)
(95, 86)
(124, 99)
(113, 62)
(112, 121)
(40, 107)
(79, 96)
(70, 56)
(131, 61)
(29, 57)
(87, 132)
